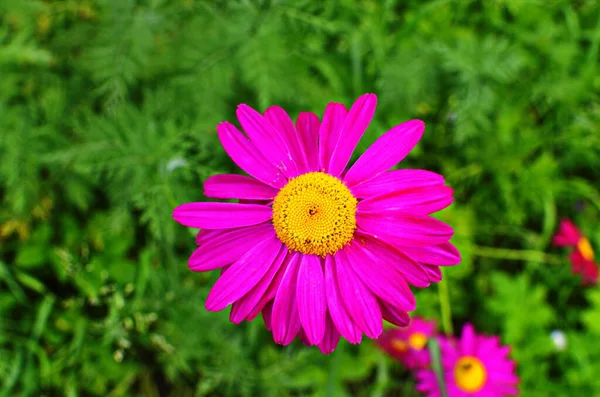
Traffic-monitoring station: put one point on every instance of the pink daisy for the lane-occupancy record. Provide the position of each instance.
(582, 257)
(318, 249)
(408, 345)
(475, 365)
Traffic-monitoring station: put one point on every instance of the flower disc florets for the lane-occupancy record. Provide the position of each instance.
(315, 213)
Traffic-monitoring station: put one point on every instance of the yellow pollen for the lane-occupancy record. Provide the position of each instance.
(584, 246)
(417, 340)
(469, 374)
(399, 345)
(315, 213)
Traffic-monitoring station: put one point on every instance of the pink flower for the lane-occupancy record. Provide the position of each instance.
(408, 345)
(475, 365)
(582, 257)
(320, 250)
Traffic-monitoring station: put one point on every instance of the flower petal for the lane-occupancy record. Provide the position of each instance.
(284, 124)
(271, 291)
(468, 340)
(242, 308)
(329, 133)
(267, 139)
(247, 156)
(310, 295)
(243, 275)
(355, 125)
(424, 200)
(337, 310)
(308, 125)
(395, 180)
(205, 235)
(404, 229)
(389, 258)
(394, 315)
(228, 247)
(267, 311)
(381, 277)
(359, 301)
(330, 339)
(231, 186)
(285, 321)
(442, 255)
(221, 215)
(386, 152)
(434, 273)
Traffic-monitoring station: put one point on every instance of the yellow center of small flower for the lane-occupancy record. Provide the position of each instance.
(470, 374)
(399, 345)
(417, 340)
(315, 213)
(584, 246)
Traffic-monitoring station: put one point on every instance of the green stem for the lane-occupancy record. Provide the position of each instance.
(436, 363)
(518, 255)
(445, 307)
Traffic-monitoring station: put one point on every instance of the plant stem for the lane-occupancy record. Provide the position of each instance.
(519, 255)
(445, 305)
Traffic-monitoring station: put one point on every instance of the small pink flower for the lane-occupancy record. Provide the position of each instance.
(582, 257)
(321, 250)
(409, 344)
(474, 366)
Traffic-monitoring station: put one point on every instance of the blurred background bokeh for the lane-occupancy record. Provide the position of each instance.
(108, 111)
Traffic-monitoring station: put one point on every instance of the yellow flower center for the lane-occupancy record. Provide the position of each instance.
(584, 246)
(315, 213)
(469, 374)
(399, 345)
(417, 340)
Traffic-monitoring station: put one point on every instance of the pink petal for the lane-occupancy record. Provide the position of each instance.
(242, 308)
(434, 273)
(567, 235)
(243, 275)
(404, 229)
(381, 277)
(355, 125)
(330, 339)
(221, 215)
(230, 186)
(205, 235)
(267, 311)
(228, 247)
(310, 297)
(424, 200)
(280, 120)
(386, 152)
(337, 310)
(308, 126)
(359, 301)
(393, 181)
(285, 319)
(271, 291)
(391, 259)
(267, 139)
(329, 133)
(394, 315)
(468, 340)
(442, 255)
(248, 157)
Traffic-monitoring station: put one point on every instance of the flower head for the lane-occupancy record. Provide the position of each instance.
(582, 256)
(320, 250)
(475, 365)
(409, 344)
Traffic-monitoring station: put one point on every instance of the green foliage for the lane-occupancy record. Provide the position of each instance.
(108, 111)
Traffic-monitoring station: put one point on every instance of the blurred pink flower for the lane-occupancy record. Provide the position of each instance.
(582, 257)
(475, 365)
(320, 250)
(409, 344)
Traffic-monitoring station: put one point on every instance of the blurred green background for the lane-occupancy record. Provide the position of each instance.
(108, 111)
